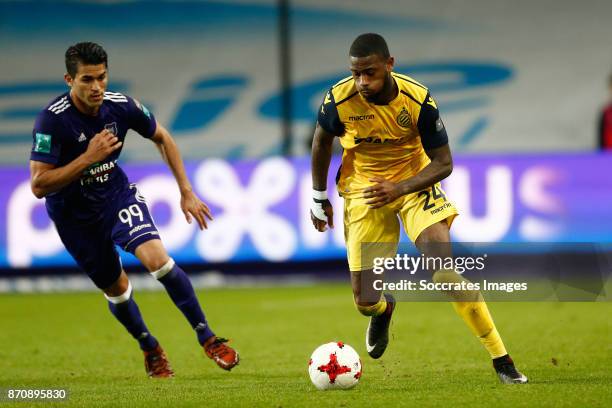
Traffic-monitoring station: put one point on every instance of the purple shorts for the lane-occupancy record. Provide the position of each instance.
(126, 223)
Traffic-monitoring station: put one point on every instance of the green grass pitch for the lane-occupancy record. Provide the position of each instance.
(72, 341)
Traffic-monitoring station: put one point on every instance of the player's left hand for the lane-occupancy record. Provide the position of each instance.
(192, 206)
(381, 193)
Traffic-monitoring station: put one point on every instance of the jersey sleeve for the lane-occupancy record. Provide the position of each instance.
(430, 125)
(140, 118)
(328, 117)
(46, 139)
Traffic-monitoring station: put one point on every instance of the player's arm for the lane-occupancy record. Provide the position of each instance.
(438, 169)
(328, 126)
(435, 142)
(190, 203)
(46, 178)
(321, 212)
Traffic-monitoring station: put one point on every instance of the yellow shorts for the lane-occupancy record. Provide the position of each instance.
(417, 211)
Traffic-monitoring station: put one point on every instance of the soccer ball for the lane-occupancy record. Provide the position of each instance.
(334, 366)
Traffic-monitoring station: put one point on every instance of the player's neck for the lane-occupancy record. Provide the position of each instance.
(82, 107)
(388, 93)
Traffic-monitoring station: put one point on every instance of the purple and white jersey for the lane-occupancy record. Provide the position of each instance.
(62, 133)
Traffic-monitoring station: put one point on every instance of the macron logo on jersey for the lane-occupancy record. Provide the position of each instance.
(115, 97)
(361, 117)
(60, 106)
(82, 138)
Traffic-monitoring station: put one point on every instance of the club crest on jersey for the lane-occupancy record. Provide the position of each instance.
(112, 127)
(404, 119)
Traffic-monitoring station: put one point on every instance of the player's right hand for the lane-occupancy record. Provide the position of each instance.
(101, 145)
(321, 213)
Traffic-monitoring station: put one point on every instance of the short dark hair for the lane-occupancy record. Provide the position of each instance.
(87, 53)
(369, 44)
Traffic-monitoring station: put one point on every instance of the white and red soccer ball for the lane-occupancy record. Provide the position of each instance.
(334, 366)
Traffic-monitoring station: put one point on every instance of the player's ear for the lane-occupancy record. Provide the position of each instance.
(68, 79)
(390, 64)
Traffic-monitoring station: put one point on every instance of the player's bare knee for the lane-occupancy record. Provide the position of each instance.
(152, 255)
(154, 265)
(435, 233)
(122, 297)
(430, 237)
(119, 287)
(163, 269)
(434, 241)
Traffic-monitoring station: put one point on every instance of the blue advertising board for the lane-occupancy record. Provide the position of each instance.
(261, 208)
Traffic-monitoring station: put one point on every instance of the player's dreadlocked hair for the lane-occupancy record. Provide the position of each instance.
(87, 53)
(369, 44)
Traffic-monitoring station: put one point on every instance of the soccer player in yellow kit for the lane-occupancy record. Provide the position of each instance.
(395, 155)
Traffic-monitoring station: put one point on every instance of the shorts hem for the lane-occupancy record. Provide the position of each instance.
(449, 221)
(140, 239)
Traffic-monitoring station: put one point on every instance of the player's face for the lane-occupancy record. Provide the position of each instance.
(370, 74)
(89, 84)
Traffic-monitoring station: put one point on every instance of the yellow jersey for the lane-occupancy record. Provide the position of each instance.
(381, 140)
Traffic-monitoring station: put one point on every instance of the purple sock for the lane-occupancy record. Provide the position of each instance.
(129, 315)
(181, 292)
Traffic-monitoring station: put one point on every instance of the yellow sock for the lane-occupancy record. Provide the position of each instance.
(476, 315)
(374, 310)
(474, 311)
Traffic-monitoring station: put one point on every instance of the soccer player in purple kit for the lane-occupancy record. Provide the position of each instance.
(73, 164)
